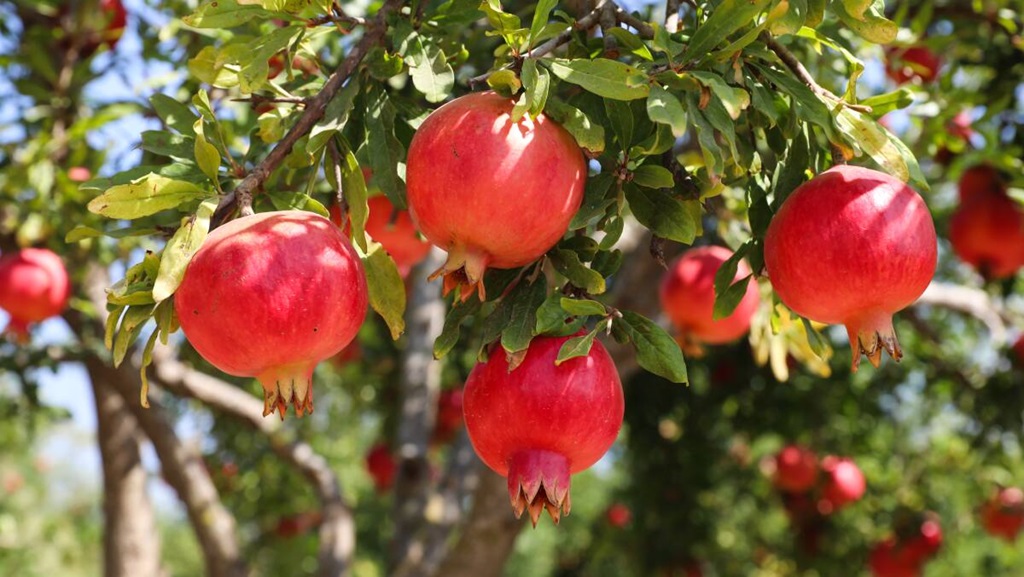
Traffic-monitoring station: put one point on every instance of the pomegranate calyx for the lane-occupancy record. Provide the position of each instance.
(464, 270)
(871, 337)
(17, 329)
(539, 480)
(287, 385)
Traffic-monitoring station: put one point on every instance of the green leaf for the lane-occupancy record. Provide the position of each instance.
(660, 141)
(537, 83)
(633, 44)
(589, 135)
(819, 346)
(792, 20)
(174, 114)
(82, 232)
(734, 98)
(726, 303)
(356, 197)
(569, 265)
(728, 17)
(145, 196)
(596, 201)
(522, 326)
(254, 60)
(222, 14)
(620, 117)
(664, 108)
(207, 156)
(871, 25)
(508, 26)
(807, 104)
(180, 250)
(386, 289)
(114, 313)
(505, 82)
(882, 104)
(882, 146)
(583, 307)
(664, 214)
(552, 320)
(653, 176)
(384, 150)
(449, 336)
(576, 347)
(131, 327)
(335, 117)
(174, 146)
(382, 64)
(656, 351)
(604, 77)
(431, 74)
(540, 18)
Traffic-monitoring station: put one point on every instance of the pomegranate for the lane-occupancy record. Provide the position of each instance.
(916, 62)
(350, 354)
(491, 192)
(1003, 515)
(79, 174)
(845, 484)
(926, 544)
(382, 467)
(449, 415)
(618, 515)
(987, 232)
(796, 469)
(300, 64)
(980, 178)
(852, 246)
(688, 297)
(270, 296)
(889, 559)
(1018, 350)
(542, 422)
(394, 230)
(960, 125)
(34, 286)
(291, 526)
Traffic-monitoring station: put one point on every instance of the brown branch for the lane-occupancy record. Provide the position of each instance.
(794, 64)
(972, 301)
(672, 21)
(644, 29)
(338, 180)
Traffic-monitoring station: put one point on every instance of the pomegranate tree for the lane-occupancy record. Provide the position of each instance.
(493, 192)
(688, 297)
(381, 466)
(916, 62)
(844, 483)
(542, 422)
(796, 469)
(987, 229)
(270, 296)
(34, 286)
(852, 246)
(1003, 515)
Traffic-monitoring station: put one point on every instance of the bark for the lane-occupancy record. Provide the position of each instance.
(131, 544)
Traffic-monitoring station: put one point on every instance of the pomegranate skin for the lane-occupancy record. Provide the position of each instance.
(271, 295)
(796, 469)
(1003, 515)
(688, 297)
(542, 422)
(34, 286)
(852, 246)
(491, 192)
(845, 484)
(987, 232)
(890, 559)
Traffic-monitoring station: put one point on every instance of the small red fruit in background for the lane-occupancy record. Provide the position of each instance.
(34, 286)
(1018, 349)
(960, 125)
(618, 515)
(926, 544)
(270, 296)
(1003, 515)
(852, 246)
(987, 229)
(889, 559)
(916, 62)
(291, 526)
(79, 174)
(381, 466)
(300, 64)
(688, 297)
(449, 414)
(980, 179)
(395, 231)
(844, 483)
(542, 422)
(492, 192)
(796, 469)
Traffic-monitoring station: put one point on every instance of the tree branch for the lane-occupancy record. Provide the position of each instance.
(972, 301)
(794, 64)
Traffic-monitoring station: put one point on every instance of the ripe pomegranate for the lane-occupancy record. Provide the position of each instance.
(291, 526)
(300, 64)
(449, 415)
(618, 515)
(960, 125)
(34, 286)
(542, 422)
(845, 484)
(852, 246)
(270, 296)
(796, 469)
(394, 230)
(980, 178)
(1018, 349)
(688, 297)
(380, 463)
(889, 559)
(492, 192)
(926, 544)
(1003, 515)
(916, 62)
(987, 232)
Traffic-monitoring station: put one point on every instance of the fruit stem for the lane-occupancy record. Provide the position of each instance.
(287, 385)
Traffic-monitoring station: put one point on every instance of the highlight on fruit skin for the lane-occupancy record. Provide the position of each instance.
(852, 246)
(34, 286)
(540, 423)
(491, 192)
(271, 295)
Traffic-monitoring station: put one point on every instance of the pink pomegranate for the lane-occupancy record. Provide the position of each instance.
(1003, 515)
(987, 232)
(542, 422)
(492, 192)
(852, 246)
(270, 296)
(34, 286)
(381, 466)
(915, 62)
(688, 297)
(844, 483)
(796, 469)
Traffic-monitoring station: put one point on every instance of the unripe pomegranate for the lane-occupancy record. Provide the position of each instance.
(980, 178)
(987, 232)
(906, 64)
(618, 515)
(34, 286)
(492, 192)
(270, 296)
(845, 483)
(688, 297)
(796, 469)
(852, 246)
(542, 422)
(395, 231)
(381, 466)
(449, 414)
(1003, 515)
(889, 559)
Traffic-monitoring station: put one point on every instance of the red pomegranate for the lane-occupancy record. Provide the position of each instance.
(449, 414)
(987, 229)
(926, 544)
(300, 64)
(350, 354)
(492, 192)
(381, 466)
(394, 230)
(852, 246)
(844, 484)
(1003, 515)
(1018, 350)
(291, 526)
(960, 125)
(688, 297)
(79, 174)
(34, 286)
(889, 559)
(542, 422)
(618, 515)
(796, 469)
(980, 178)
(270, 296)
(916, 62)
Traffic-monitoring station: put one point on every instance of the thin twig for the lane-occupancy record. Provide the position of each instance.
(794, 64)
(643, 28)
(339, 186)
